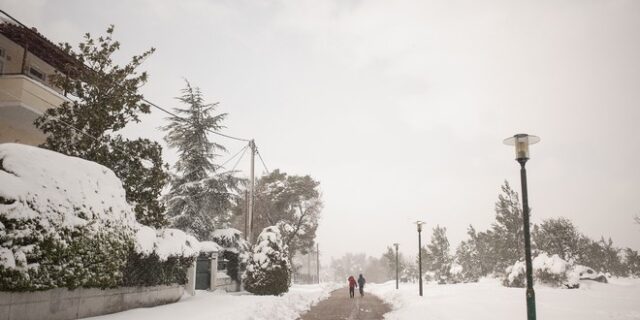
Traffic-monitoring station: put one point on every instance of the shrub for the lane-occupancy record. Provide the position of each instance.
(65, 223)
(268, 270)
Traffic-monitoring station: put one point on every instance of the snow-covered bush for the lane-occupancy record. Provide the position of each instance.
(550, 270)
(65, 222)
(268, 270)
(234, 249)
(160, 257)
(456, 273)
(580, 272)
(515, 275)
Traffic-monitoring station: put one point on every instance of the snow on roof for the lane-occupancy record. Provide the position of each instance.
(209, 247)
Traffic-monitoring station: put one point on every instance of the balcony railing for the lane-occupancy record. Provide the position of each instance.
(21, 90)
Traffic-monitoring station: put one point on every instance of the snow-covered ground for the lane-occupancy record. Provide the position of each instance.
(230, 306)
(488, 300)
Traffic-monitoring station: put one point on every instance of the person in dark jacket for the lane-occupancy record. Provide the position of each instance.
(352, 285)
(361, 282)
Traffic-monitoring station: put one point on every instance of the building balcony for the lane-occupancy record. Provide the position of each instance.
(22, 100)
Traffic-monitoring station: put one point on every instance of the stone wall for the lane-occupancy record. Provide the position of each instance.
(63, 304)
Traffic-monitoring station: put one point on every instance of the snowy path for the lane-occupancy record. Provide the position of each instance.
(213, 305)
(488, 300)
(339, 306)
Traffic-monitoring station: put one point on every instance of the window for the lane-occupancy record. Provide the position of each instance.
(36, 73)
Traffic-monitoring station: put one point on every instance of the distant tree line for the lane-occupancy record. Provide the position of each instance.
(490, 252)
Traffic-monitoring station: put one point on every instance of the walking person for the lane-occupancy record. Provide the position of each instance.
(352, 286)
(361, 282)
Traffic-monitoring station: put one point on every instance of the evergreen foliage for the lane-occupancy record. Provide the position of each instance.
(291, 202)
(389, 260)
(268, 271)
(508, 229)
(200, 199)
(439, 255)
(105, 99)
(141, 271)
(557, 236)
(469, 258)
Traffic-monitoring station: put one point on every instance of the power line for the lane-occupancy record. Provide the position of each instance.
(237, 153)
(261, 160)
(240, 158)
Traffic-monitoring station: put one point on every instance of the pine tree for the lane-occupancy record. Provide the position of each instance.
(268, 270)
(106, 99)
(632, 262)
(389, 260)
(200, 200)
(439, 254)
(508, 236)
(557, 236)
(468, 256)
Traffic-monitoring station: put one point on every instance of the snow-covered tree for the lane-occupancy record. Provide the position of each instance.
(291, 202)
(632, 262)
(200, 199)
(468, 257)
(439, 254)
(389, 260)
(104, 99)
(508, 234)
(268, 271)
(557, 236)
(349, 264)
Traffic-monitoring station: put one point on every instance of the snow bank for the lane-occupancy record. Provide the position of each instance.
(47, 195)
(488, 300)
(65, 222)
(232, 306)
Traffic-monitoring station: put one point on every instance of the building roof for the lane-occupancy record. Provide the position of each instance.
(41, 47)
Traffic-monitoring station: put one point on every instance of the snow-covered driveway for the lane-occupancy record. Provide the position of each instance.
(213, 305)
(488, 300)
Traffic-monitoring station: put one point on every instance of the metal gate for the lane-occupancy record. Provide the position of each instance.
(203, 272)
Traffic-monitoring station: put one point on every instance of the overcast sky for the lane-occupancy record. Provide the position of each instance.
(399, 108)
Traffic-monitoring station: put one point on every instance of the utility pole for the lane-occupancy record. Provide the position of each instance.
(246, 213)
(310, 278)
(252, 145)
(318, 262)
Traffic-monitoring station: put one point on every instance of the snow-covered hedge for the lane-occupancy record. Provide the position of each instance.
(268, 270)
(549, 270)
(64, 222)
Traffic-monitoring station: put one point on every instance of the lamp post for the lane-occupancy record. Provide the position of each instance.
(419, 224)
(522, 141)
(397, 267)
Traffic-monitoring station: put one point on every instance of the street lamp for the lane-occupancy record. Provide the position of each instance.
(522, 141)
(397, 267)
(419, 224)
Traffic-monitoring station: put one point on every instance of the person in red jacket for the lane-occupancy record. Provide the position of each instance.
(352, 285)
